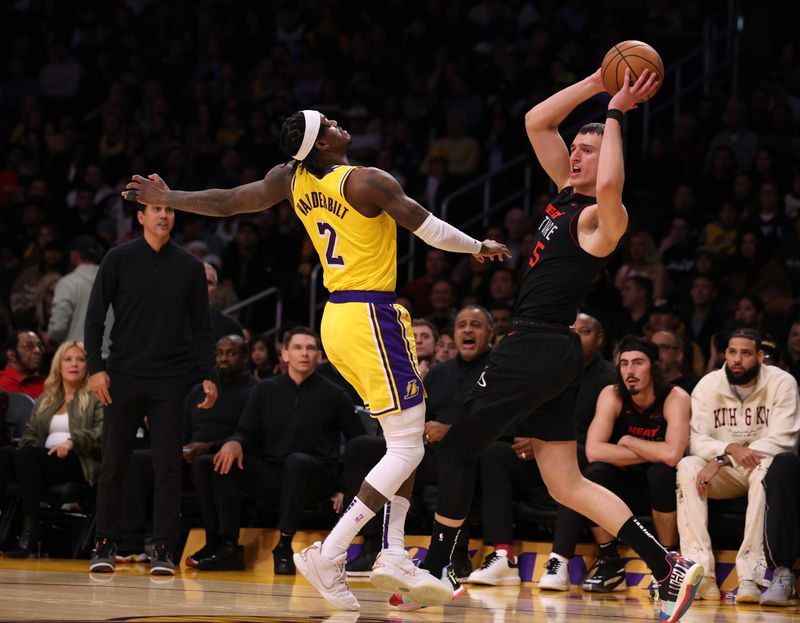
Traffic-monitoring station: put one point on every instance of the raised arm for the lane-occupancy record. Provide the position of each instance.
(372, 190)
(612, 219)
(542, 121)
(253, 197)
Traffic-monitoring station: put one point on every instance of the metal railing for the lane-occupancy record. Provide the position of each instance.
(718, 54)
(257, 297)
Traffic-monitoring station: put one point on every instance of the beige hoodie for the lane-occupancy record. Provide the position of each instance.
(768, 421)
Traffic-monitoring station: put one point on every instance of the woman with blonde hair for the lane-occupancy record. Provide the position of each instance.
(61, 442)
(642, 258)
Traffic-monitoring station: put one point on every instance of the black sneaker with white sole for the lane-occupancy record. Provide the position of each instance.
(606, 575)
(161, 563)
(103, 556)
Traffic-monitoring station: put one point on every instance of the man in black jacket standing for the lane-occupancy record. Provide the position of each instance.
(285, 449)
(153, 286)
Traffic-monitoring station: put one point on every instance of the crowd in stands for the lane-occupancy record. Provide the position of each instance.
(197, 91)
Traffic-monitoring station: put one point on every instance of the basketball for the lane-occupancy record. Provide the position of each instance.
(635, 55)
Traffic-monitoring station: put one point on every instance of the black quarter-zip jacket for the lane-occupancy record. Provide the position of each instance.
(282, 417)
(153, 294)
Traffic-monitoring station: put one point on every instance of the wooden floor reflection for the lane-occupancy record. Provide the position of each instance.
(63, 590)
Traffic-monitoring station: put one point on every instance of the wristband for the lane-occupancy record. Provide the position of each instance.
(616, 114)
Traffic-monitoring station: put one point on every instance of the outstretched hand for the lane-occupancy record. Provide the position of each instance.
(493, 250)
(629, 96)
(150, 190)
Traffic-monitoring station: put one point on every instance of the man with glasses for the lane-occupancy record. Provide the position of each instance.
(670, 357)
(24, 352)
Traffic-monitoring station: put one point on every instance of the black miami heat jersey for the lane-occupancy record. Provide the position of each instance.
(648, 424)
(559, 272)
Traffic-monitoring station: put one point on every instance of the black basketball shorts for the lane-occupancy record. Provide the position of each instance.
(532, 376)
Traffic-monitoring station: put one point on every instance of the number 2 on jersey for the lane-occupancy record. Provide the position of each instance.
(326, 230)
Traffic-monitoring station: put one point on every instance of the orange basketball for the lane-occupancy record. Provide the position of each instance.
(633, 55)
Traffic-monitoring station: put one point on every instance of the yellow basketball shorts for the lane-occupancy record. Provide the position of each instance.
(368, 338)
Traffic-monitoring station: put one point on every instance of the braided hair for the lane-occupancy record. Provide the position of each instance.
(292, 133)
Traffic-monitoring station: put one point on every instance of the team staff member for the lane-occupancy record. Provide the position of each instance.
(154, 286)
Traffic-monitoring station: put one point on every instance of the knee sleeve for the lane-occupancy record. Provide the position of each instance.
(404, 450)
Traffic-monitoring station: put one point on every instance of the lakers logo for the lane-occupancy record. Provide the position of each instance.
(412, 389)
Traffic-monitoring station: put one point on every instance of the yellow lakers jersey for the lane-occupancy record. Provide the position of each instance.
(357, 253)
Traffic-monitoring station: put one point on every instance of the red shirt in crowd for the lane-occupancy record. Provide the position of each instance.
(13, 381)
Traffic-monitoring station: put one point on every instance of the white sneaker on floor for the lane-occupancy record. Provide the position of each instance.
(395, 572)
(708, 589)
(556, 576)
(748, 592)
(327, 576)
(497, 570)
(781, 590)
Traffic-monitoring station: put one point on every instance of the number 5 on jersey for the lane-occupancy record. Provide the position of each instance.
(326, 230)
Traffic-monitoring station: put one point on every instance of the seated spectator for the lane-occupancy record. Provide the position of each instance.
(501, 317)
(742, 416)
(425, 337)
(677, 251)
(637, 292)
(205, 432)
(671, 359)
(285, 449)
(639, 433)
(664, 315)
(61, 442)
(443, 302)
(462, 151)
(221, 324)
(446, 385)
(720, 234)
(261, 362)
(642, 259)
(502, 287)
(751, 267)
(419, 288)
(793, 350)
(24, 352)
(508, 467)
(770, 216)
(445, 346)
(782, 527)
(72, 293)
(703, 318)
(748, 313)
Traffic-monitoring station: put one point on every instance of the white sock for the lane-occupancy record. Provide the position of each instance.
(348, 526)
(394, 523)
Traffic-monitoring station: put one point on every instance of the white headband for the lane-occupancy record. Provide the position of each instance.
(313, 121)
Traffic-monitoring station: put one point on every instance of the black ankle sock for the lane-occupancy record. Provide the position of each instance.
(285, 542)
(443, 539)
(645, 544)
(609, 550)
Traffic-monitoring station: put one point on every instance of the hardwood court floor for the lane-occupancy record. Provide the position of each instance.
(63, 590)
